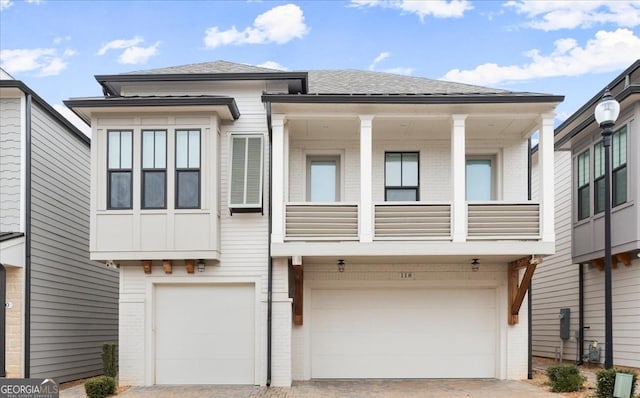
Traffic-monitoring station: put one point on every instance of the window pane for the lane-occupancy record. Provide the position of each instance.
(153, 191)
(181, 149)
(619, 147)
(254, 170)
(125, 149)
(620, 186)
(114, 149)
(323, 181)
(479, 179)
(160, 150)
(120, 190)
(402, 194)
(148, 143)
(238, 160)
(598, 187)
(194, 149)
(598, 160)
(583, 202)
(393, 169)
(188, 185)
(409, 169)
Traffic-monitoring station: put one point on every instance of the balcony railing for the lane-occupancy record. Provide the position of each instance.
(411, 221)
(503, 221)
(321, 221)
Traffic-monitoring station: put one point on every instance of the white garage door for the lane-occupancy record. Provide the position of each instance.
(403, 333)
(204, 334)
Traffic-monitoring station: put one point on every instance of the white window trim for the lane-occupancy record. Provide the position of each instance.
(496, 169)
(306, 154)
(230, 170)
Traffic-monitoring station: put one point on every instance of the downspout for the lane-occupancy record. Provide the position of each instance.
(27, 242)
(580, 348)
(3, 316)
(529, 300)
(270, 269)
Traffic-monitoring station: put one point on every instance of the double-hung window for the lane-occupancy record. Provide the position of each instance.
(583, 185)
(187, 169)
(119, 169)
(154, 169)
(401, 176)
(619, 166)
(598, 178)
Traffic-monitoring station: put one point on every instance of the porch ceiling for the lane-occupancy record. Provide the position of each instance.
(426, 260)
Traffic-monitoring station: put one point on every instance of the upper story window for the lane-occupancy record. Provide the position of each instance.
(119, 169)
(154, 169)
(619, 166)
(480, 185)
(401, 176)
(323, 178)
(583, 185)
(187, 169)
(245, 190)
(598, 178)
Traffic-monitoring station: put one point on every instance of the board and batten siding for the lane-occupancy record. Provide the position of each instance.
(555, 282)
(74, 302)
(10, 151)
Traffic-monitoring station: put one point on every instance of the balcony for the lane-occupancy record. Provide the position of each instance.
(414, 221)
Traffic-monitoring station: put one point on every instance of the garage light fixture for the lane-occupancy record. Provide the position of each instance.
(340, 265)
(201, 265)
(475, 265)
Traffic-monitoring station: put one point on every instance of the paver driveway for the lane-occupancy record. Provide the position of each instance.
(346, 389)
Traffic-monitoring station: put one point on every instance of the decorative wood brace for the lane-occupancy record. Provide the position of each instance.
(297, 294)
(190, 264)
(517, 288)
(168, 267)
(624, 258)
(146, 266)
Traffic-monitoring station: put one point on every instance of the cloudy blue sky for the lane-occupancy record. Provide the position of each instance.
(570, 48)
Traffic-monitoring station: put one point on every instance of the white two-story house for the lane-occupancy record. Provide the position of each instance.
(274, 226)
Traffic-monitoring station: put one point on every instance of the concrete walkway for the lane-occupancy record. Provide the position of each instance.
(342, 389)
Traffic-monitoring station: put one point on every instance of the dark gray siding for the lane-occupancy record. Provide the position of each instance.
(74, 302)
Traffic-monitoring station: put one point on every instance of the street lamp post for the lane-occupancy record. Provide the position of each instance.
(606, 113)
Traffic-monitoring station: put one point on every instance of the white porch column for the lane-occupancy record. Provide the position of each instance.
(458, 179)
(365, 210)
(546, 178)
(277, 178)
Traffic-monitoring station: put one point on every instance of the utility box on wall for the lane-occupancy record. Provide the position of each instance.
(565, 323)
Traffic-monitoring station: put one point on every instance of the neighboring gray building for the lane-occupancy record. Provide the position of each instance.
(573, 278)
(57, 307)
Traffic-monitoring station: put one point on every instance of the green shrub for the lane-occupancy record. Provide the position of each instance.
(606, 379)
(565, 378)
(100, 387)
(109, 359)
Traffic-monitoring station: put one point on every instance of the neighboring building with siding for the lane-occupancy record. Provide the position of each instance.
(274, 226)
(61, 307)
(574, 275)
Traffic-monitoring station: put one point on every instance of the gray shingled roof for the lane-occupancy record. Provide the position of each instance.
(349, 81)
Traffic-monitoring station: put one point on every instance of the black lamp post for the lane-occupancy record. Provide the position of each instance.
(606, 113)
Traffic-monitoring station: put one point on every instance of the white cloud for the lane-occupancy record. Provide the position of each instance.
(120, 44)
(133, 53)
(273, 65)
(400, 70)
(555, 15)
(279, 25)
(4, 4)
(73, 118)
(382, 56)
(606, 52)
(43, 61)
(35, 1)
(435, 8)
(138, 55)
(60, 39)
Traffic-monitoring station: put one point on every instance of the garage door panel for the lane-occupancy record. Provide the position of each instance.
(204, 334)
(403, 333)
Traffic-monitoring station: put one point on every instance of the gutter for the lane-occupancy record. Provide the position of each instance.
(581, 327)
(270, 269)
(410, 98)
(27, 241)
(529, 298)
